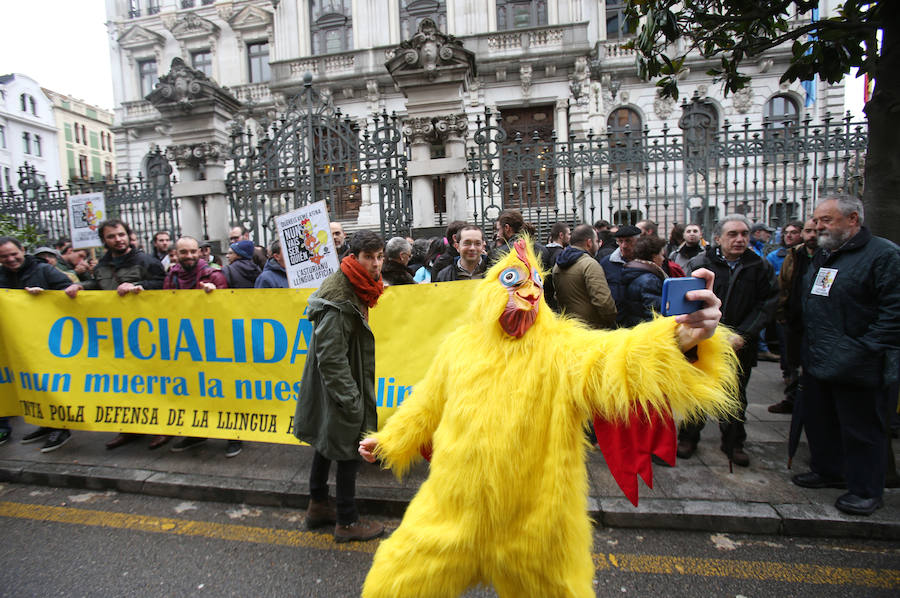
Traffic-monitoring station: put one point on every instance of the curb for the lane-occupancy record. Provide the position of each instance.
(652, 513)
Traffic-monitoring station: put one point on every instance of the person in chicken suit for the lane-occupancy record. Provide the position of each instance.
(505, 502)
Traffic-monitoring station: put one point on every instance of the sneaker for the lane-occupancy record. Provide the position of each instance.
(38, 434)
(4, 436)
(56, 439)
(186, 443)
(358, 531)
(234, 448)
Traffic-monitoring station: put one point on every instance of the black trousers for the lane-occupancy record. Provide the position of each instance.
(345, 486)
(847, 431)
(733, 432)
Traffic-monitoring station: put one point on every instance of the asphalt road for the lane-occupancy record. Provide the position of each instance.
(64, 542)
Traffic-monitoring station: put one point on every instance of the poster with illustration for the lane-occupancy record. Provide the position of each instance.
(86, 212)
(307, 246)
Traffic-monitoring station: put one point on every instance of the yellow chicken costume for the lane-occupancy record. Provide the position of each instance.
(505, 502)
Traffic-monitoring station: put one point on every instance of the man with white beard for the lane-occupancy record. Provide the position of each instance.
(851, 317)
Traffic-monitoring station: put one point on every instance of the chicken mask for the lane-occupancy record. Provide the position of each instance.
(518, 275)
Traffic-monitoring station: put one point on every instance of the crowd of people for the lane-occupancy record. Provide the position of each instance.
(825, 295)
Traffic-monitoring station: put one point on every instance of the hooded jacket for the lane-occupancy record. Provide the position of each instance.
(241, 273)
(643, 292)
(581, 289)
(853, 332)
(135, 267)
(34, 273)
(336, 403)
(272, 277)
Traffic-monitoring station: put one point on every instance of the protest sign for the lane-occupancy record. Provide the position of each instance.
(86, 212)
(307, 246)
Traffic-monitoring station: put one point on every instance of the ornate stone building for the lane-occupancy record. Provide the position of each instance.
(550, 68)
(86, 150)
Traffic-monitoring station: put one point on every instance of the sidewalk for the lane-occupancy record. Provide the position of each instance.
(698, 494)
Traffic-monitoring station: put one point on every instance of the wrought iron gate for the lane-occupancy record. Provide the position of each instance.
(772, 174)
(312, 153)
(145, 203)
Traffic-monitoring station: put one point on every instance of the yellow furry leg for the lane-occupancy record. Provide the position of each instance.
(410, 565)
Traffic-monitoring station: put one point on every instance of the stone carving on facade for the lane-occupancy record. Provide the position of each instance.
(436, 129)
(742, 100)
(429, 51)
(525, 74)
(183, 86)
(663, 106)
(703, 90)
(196, 154)
(474, 92)
(372, 93)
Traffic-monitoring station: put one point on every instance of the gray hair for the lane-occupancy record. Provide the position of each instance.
(395, 247)
(847, 204)
(731, 218)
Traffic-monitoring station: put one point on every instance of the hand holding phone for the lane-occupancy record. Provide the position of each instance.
(673, 295)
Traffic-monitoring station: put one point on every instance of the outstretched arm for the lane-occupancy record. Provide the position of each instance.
(646, 367)
(410, 428)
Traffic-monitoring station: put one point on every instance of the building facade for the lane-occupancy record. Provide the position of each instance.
(86, 147)
(27, 132)
(550, 69)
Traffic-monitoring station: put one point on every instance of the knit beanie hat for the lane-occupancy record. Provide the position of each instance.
(243, 248)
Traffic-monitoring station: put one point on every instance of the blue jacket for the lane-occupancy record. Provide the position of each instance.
(642, 285)
(273, 277)
(776, 258)
(613, 266)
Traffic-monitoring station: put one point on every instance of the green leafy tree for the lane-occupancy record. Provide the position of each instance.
(29, 235)
(730, 32)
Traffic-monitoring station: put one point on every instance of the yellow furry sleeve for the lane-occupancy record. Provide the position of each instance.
(411, 426)
(644, 366)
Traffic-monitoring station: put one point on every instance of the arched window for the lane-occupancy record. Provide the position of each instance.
(623, 129)
(782, 111)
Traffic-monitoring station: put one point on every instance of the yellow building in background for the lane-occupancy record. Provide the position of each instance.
(86, 149)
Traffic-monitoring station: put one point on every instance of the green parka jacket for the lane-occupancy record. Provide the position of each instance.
(336, 404)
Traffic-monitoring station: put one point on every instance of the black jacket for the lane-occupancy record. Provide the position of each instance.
(453, 272)
(395, 273)
(853, 332)
(748, 294)
(135, 267)
(34, 273)
(241, 274)
(642, 287)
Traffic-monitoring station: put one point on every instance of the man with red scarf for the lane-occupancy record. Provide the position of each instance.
(336, 404)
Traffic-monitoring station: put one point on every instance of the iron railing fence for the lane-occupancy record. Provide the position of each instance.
(774, 173)
(311, 153)
(145, 203)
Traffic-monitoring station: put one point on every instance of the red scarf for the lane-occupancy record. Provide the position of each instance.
(367, 289)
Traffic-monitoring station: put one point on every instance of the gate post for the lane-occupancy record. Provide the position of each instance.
(198, 110)
(433, 71)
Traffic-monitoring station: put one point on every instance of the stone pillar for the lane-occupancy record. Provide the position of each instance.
(433, 71)
(198, 110)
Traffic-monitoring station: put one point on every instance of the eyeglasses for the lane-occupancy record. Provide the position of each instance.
(233, 239)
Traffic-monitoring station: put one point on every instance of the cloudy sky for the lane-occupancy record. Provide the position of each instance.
(62, 44)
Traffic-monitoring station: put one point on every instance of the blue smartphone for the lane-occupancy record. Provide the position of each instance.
(673, 291)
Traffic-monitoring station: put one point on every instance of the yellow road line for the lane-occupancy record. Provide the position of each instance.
(629, 563)
(183, 527)
(795, 573)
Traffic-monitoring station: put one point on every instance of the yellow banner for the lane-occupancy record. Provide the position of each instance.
(186, 363)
